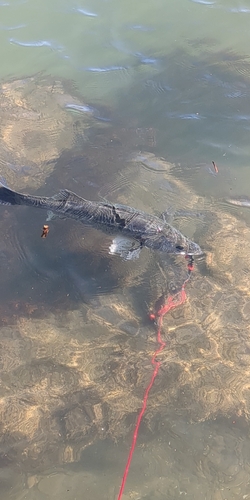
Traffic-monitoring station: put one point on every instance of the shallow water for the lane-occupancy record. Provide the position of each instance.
(129, 102)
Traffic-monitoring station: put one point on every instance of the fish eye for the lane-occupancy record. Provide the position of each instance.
(179, 247)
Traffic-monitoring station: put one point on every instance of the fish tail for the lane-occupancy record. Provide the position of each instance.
(9, 197)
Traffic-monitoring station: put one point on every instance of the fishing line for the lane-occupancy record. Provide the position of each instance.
(173, 301)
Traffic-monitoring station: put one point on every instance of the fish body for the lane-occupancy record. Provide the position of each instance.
(148, 230)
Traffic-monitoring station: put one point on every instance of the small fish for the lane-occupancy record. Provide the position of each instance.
(148, 230)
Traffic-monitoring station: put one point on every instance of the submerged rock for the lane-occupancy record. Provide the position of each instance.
(35, 127)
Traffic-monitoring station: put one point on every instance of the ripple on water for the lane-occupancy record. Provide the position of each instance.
(157, 86)
(204, 2)
(36, 43)
(29, 258)
(232, 149)
(109, 73)
(186, 116)
(85, 12)
(79, 108)
(151, 162)
(12, 28)
(106, 69)
(239, 10)
(141, 27)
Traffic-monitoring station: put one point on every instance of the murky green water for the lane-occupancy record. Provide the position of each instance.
(131, 102)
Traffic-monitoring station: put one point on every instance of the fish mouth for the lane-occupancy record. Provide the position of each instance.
(191, 248)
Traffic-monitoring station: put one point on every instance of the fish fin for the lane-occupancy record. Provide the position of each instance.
(104, 200)
(133, 254)
(7, 196)
(5, 203)
(50, 216)
(63, 195)
(3, 182)
(119, 244)
(168, 215)
(66, 195)
(124, 247)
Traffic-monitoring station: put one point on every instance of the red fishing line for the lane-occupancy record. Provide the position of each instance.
(171, 303)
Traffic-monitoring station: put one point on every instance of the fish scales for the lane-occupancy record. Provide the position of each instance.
(148, 230)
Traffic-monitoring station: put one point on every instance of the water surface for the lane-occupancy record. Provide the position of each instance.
(129, 102)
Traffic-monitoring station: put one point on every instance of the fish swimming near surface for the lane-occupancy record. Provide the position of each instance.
(135, 226)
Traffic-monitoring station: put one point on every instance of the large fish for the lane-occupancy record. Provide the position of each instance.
(148, 230)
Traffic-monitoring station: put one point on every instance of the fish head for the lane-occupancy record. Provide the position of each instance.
(187, 247)
(170, 240)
